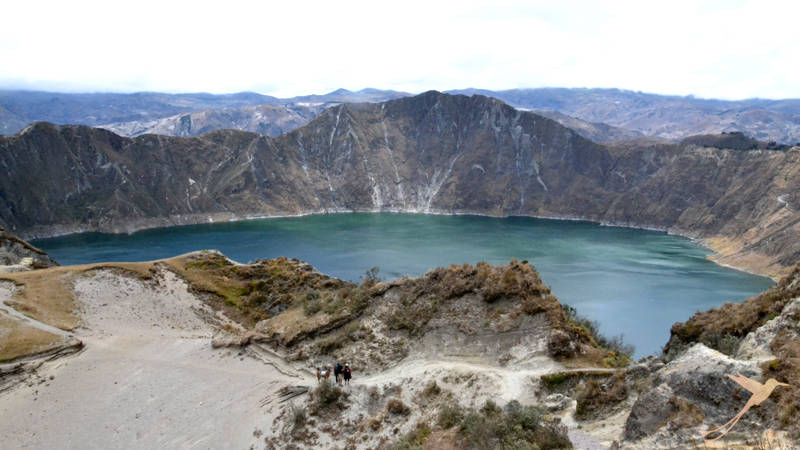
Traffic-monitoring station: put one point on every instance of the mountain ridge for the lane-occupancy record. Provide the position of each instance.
(432, 153)
(662, 116)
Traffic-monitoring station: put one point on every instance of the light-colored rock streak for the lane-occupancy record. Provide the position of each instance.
(435, 184)
(783, 202)
(304, 165)
(397, 181)
(538, 177)
(335, 126)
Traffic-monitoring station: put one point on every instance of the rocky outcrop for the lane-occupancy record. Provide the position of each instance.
(691, 393)
(18, 254)
(429, 153)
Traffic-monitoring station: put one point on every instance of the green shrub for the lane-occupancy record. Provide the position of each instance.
(450, 416)
(414, 439)
(554, 379)
(371, 277)
(722, 342)
(514, 426)
(616, 344)
(312, 303)
(326, 395)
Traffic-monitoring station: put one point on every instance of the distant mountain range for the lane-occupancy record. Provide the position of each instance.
(150, 112)
(602, 115)
(668, 117)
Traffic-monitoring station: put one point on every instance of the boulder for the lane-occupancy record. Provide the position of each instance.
(691, 393)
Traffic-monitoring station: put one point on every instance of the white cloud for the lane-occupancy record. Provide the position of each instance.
(726, 49)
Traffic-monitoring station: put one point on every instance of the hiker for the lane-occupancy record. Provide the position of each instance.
(323, 373)
(347, 374)
(337, 372)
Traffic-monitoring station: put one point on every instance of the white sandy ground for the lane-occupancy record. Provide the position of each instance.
(149, 378)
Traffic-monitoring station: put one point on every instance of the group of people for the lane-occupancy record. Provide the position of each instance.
(341, 373)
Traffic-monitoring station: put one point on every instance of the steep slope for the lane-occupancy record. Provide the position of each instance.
(429, 153)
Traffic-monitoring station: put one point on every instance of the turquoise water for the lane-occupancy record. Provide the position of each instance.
(633, 282)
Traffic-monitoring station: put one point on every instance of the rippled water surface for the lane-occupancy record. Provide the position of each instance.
(631, 281)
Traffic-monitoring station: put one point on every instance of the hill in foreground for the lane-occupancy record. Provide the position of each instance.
(201, 348)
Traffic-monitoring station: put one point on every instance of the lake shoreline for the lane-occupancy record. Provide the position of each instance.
(716, 255)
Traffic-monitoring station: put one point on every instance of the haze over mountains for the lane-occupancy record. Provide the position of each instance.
(429, 153)
(603, 115)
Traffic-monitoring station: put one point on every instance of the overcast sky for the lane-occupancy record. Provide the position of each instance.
(724, 49)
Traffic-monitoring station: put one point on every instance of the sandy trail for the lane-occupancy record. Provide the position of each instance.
(512, 384)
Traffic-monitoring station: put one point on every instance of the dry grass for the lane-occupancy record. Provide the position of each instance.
(18, 339)
(599, 397)
(254, 292)
(684, 413)
(46, 294)
(396, 406)
(786, 369)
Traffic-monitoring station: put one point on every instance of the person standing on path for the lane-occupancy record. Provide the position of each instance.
(337, 372)
(347, 374)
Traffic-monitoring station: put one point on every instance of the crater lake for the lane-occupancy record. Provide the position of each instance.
(632, 282)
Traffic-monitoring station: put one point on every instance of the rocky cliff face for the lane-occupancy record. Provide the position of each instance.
(429, 153)
(16, 254)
